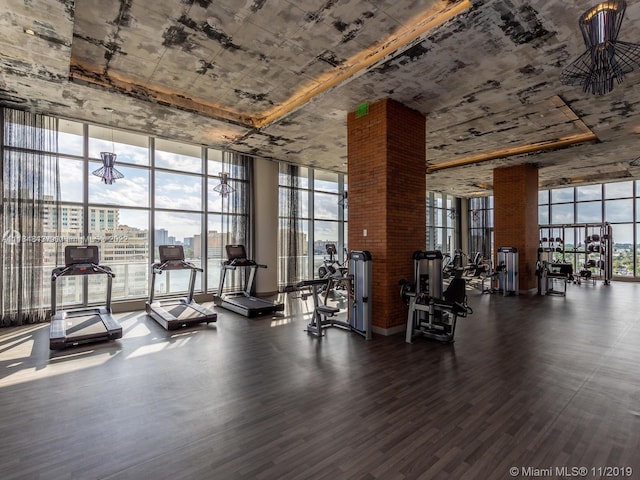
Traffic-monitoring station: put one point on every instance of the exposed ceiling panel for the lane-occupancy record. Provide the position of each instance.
(276, 78)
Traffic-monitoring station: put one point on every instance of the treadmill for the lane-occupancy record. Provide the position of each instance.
(81, 325)
(175, 312)
(242, 301)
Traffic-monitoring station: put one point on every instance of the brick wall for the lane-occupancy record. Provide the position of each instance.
(387, 188)
(515, 217)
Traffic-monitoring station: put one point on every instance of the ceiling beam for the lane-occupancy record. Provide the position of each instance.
(408, 34)
(414, 30)
(585, 135)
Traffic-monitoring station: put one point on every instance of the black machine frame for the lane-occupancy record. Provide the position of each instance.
(242, 301)
(433, 310)
(176, 312)
(357, 279)
(85, 324)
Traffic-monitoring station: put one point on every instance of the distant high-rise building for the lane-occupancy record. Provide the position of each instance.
(161, 236)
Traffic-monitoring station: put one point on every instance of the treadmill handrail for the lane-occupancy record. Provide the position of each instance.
(231, 266)
(81, 269)
(173, 265)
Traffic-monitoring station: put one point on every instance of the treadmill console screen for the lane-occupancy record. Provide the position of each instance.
(236, 252)
(81, 254)
(171, 253)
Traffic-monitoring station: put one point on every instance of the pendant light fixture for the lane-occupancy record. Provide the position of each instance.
(224, 188)
(606, 58)
(107, 173)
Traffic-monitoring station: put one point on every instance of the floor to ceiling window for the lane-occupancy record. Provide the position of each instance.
(577, 212)
(312, 211)
(167, 189)
(442, 220)
(481, 226)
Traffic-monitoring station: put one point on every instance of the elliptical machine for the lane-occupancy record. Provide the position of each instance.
(332, 268)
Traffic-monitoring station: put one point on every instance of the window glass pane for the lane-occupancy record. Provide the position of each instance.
(234, 165)
(178, 156)
(129, 147)
(438, 212)
(623, 250)
(302, 179)
(476, 203)
(124, 246)
(214, 162)
(346, 236)
(301, 247)
(179, 192)
(589, 212)
(543, 197)
(15, 134)
(618, 190)
(562, 213)
(176, 228)
(298, 195)
(449, 202)
(618, 210)
(69, 291)
(569, 238)
(325, 181)
(449, 240)
(324, 232)
(589, 192)
(71, 222)
(637, 249)
(325, 206)
(71, 180)
(560, 195)
(439, 243)
(222, 230)
(70, 135)
(543, 215)
(132, 190)
(231, 203)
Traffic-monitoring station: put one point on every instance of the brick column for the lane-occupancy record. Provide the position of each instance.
(387, 201)
(515, 217)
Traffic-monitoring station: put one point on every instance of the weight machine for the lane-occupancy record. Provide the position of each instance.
(358, 284)
(432, 312)
(507, 271)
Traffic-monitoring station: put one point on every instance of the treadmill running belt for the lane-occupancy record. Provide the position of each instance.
(84, 325)
(182, 312)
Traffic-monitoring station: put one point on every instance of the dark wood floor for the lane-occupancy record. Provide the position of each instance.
(530, 383)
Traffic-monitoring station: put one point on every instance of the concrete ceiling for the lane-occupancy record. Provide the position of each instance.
(276, 79)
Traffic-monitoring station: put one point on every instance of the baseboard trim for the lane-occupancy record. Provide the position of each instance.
(387, 332)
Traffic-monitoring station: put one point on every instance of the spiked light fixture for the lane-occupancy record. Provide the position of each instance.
(224, 188)
(107, 173)
(606, 58)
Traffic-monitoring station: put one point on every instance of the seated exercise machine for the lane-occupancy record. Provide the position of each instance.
(358, 284)
(432, 312)
(242, 301)
(175, 312)
(87, 324)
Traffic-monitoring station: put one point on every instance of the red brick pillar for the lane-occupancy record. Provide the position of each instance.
(387, 201)
(515, 217)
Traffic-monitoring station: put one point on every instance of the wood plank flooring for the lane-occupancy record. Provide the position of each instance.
(530, 383)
